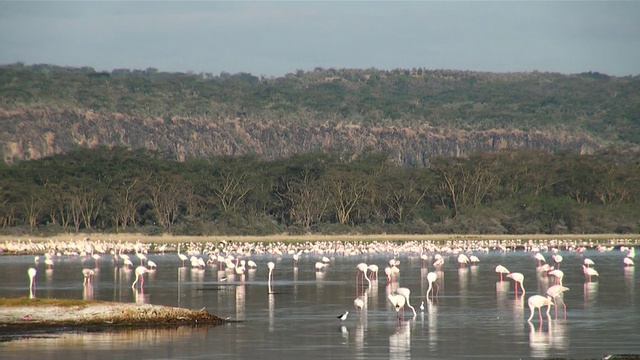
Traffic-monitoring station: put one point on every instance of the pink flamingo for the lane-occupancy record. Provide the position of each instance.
(537, 302)
(517, 278)
(502, 270)
(140, 271)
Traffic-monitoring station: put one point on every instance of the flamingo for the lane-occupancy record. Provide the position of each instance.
(373, 270)
(422, 306)
(555, 292)
(559, 274)
(296, 257)
(538, 301)
(517, 278)
(362, 268)
(588, 262)
(49, 262)
(502, 270)
(463, 260)
(358, 303)
(32, 278)
(557, 258)
(343, 317)
(398, 302)
(432, 277)
(589, 271)
(96, 257)
(271, 266)
(474, 260)
(182, 257)
(140, 270)
(628, 261)
(152, 264)
(540, 258)
(406, 293)
(88, 276)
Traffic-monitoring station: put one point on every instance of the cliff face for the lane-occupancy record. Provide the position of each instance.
(27, 135)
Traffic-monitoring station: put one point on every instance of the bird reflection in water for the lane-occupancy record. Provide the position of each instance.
(140, 296)
(539, 341)
(590, 293)
(240, 302)
(463, 282)
(272, 306)
(87, 291)
(629, 280)
(400, 342)
(558, 332)
(432, 311)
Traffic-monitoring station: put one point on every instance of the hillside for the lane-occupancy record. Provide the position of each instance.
(412, 114)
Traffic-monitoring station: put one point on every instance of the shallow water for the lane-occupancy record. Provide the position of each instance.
(474, 315)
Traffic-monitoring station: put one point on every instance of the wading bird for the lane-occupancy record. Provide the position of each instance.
(140, 271)
(537, 302)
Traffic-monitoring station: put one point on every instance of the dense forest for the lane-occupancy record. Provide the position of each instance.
(330, 151)
(516, 192)
(412, 114)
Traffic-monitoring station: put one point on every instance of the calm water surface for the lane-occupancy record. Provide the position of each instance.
(474, 315)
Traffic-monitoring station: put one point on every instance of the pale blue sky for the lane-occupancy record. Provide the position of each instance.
(275, 38)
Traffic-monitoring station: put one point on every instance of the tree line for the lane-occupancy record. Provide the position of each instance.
(511, 192)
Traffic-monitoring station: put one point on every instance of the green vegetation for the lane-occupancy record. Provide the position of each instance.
(139, 191)
(601, 106)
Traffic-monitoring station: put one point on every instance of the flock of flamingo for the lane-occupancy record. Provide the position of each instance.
(231, 256)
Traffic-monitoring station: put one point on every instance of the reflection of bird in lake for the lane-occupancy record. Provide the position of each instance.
(88, 276)
(140, 271)
(270, 266)
(517, 278)
(362, 269)
(555, 292)
(589, 271)
(406, 293)
(343, 317)
(502, 270)
(432, 277)
(537, 302)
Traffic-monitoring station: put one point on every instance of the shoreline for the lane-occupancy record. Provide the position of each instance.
(172, 239)
(21, 316)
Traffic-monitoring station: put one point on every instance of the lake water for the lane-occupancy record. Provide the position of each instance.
(474, 315)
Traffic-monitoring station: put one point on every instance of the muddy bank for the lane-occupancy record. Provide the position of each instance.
(41, 315)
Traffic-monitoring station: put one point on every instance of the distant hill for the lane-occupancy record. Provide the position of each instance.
(413, 114)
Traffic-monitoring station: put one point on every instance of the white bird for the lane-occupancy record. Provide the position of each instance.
(628, 261)
(559, 274)
(588, 262)
(540, 258)
(589, 271)
(558, 259)
(140, 271)
(537, 302)
(517, 278)
(362, 268)
(32, 278)
(358, 303)
(152, 264)
(422, 307)
(88, 276)
(398, 302)
(270, 266)
(343, 317)
(555, 292)
(502, 270)
(406, 293)
(432, 277)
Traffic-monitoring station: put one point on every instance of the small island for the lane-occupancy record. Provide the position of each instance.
(21, 315)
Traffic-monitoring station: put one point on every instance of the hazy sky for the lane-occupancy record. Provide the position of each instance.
(274, 38)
